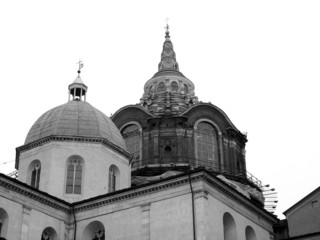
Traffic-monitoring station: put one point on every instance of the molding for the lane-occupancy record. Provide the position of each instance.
(60, 138)
(34, 194)
(134, 192)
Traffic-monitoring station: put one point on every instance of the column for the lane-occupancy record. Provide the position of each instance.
(155, 138)
(221, 153)
(146, 157)
(180, 136)
(191, 147)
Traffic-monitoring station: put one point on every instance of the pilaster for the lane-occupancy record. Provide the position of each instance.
(201, 207)
(145, 225)
(25, 223)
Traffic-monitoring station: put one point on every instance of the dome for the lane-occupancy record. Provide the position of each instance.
(75, 118)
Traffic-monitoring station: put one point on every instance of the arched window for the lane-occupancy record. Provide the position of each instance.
(74, 175)
(113, 178)
(151, 89)
(34, 173)
(206, 145)
(174, 86)
(229, 227)
(131, 135)
(161, 87)
(49, 234)
(250, 234)
(3, 223)
(94, 231)
(185, 88)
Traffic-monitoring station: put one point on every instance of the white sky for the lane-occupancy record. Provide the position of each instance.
(259, 61)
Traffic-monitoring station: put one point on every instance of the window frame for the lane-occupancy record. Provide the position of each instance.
(74, 161)
(216, 161)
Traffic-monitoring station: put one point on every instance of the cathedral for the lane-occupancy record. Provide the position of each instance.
(168, 167)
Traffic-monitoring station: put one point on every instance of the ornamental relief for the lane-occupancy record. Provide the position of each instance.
(180, 131)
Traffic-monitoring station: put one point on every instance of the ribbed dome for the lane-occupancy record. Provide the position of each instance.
(75, 118)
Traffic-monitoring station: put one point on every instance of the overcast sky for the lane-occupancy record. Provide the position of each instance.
(259, 61)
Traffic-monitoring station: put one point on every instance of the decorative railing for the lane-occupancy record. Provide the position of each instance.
(13, 174)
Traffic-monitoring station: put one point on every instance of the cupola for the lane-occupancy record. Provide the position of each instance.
(77, 89)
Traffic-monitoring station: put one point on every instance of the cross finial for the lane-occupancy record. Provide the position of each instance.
(80, 63)
(167, 24)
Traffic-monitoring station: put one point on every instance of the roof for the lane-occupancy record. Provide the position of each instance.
(314, 192)
(75, 118)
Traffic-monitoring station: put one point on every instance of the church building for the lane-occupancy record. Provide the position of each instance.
(169, 167)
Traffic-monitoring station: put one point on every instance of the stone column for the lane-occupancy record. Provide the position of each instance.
(190, 147)
(25, 223)
(155, 138)
(221, 153)
(140, 146)
(146, 157)
(201, 207)
(145, 225)
(180, 136)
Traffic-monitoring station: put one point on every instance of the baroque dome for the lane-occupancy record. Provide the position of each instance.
(75, 118)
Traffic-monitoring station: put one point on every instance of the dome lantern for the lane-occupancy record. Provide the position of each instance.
(78, 89)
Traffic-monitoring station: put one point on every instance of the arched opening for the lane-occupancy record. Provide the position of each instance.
(174, 86)
(34, 173)
(161, 87)
(49, 234)
(131, 136)
(94, 231)
(74, 174)
(207, 146)
(185, 88)
(250, 234)
(151, 89)
(167, 150)
(3, 223)
(229, 227)
(114, 178)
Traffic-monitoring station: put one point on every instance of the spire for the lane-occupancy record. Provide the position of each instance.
(168, 56)
(78, 89)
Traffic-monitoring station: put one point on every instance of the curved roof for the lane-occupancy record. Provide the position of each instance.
(75, 118)
(219, 114)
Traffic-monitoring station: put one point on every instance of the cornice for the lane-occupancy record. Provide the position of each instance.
(34, 194)
(175, 181)
(58, 138)
(133, 192)
(130, 193)
(231, 193)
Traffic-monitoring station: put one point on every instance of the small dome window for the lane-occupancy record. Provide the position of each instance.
(161, 87)
(174, 86)
(185, 88)
(151, 89)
